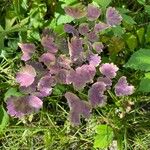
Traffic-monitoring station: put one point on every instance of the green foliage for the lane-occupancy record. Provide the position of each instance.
(4, 119)
(12, 92)
(68, 2)
(132, 42)
(145, 83)
(37, 14)
(140, 32)
(147, 35)
(59, 90)
(141, 1)
(10, 28)
(61, 19)
(140, 60)
(114, 47)
(104, 136)
(103, 3)
(147, 9)
(118, 31)
(128, 19)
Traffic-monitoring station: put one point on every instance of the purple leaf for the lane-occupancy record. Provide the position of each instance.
(25, 77)
(20, 106)
(75, 48)
(107, 81)
(29, 89)
(95, 94)
(113, 17)
(62, 44)
(71, 29)
(98, 47)
(81, 76)
(92, 36)
(94, 59)
(54, 69)
(100, 27)
(48, 43)
(83, 28)
(27, 49)
(122, 88)
(74, 118)
(93, 12)
(48, 59)
(48, 32)
(34, 102)
(109, 70)
(40, 70)
(76, 12)
(64, 62)
(61, 76)
(45, 85)
(77, 108)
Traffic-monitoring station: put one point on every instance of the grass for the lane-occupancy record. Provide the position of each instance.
(50, 129)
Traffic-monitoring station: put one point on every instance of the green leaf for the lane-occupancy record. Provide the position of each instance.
(147, 9)
(4, 119)
(68, 2)
(142, 2)
(132, 42)
(114, 47)
(140, 60)
(53, 24)
(1, 29)
(11, 92)
(104, 136)
(59, 29)
(2, 37)
(140, 34)
(37, 14)
(59, 90)
(24, 4)
(18, 27)
(145, 83)
(9, 23)
(11, 28)
(4, 85)
(33, 35)
(103, 3)
(123, 10)
(128, 19)
(147, 35)
(61, 19)
(118, 31)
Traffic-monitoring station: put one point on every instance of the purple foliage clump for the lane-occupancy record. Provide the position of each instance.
(76, 12)
(25, 77)
(109, 70)
(20, 106)
(113, 17)
(27, 49)
(93, 12)
(122, 88)
(96, 94)
(76, 66)
(77, 107)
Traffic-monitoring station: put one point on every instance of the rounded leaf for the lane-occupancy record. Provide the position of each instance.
(113, 17)
(25, 77)
(93, 12)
